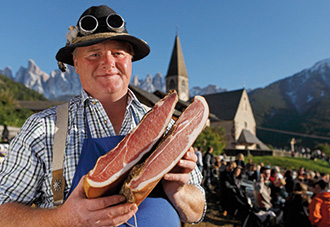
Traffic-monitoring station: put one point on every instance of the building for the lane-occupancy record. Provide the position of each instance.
(235, 115)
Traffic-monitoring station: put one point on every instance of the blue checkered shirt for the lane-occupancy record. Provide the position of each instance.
(26, 172)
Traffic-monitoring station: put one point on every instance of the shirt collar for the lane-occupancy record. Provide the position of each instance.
(130, 100)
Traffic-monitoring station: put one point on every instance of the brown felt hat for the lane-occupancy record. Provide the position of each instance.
(98, 24)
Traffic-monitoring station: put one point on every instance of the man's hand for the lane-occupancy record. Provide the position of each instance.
(179, 176)
(188, 200)
(76, 211)
(103, 211)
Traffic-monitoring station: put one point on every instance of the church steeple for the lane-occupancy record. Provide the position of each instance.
(177, 76)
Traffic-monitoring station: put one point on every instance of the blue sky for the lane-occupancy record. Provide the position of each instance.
(228, 43)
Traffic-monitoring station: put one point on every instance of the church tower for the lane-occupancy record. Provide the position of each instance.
(177, 77)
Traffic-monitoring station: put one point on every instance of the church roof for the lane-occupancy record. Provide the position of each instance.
(247, 138)
(177, 65)
(225, 104)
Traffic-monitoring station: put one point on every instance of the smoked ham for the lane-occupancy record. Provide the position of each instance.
(144, 177)
(112, 168)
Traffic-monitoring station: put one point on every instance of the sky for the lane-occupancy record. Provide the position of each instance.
(228, 43)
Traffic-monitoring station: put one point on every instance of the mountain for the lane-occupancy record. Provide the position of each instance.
(210, 89)
(54, 86)
(149, 84)
(7, 72)
(32, 77)
(299, 103)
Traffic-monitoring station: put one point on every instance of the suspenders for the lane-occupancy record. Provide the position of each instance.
(61, 128)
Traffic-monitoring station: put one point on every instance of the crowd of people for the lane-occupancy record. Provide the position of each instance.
(265, 195)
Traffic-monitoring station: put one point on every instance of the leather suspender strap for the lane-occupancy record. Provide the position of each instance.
(61, 128)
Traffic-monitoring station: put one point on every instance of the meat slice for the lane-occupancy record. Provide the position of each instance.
(144, 177)
(112, 168)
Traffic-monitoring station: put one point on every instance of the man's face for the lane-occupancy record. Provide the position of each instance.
(267, 174)
(104, 68)
(317, 189)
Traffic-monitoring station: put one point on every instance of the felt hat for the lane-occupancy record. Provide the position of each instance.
(98, 24)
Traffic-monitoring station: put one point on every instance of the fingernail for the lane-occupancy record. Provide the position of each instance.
(122, 199)
(133, 207)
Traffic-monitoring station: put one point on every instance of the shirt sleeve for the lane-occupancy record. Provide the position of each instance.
(22, 170)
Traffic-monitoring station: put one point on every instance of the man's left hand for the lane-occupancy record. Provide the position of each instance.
(187, 199)
(180, 174)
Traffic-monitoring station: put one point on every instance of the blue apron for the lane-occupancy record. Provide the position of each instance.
(154, 211)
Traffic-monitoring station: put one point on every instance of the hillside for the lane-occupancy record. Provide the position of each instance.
(299, 104)
(11, 91)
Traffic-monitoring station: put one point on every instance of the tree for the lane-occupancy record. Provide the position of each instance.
(212, 136)
(324, 147)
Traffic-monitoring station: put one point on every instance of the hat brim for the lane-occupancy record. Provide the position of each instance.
(140, 47)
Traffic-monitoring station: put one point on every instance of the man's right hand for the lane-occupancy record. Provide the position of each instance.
(103, 211)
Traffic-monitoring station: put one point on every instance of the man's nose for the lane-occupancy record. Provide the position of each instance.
(109, 59)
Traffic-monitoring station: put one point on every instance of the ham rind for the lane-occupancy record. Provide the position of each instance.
(112, 168)
(143, 178)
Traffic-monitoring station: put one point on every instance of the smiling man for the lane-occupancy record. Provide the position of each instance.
(102, 52)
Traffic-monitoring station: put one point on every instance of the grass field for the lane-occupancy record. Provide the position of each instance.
(294, 163)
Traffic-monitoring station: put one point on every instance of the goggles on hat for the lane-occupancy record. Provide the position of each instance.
(88, 23)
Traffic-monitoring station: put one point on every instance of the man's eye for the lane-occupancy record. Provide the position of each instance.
(119, 54)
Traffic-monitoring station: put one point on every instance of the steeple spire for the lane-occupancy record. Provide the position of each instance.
(177, 76)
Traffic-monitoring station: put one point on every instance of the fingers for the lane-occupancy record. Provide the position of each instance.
(186, 166)
(180, 178)
(103, 202)
(114, 216)
(103, 211)
(190, 155)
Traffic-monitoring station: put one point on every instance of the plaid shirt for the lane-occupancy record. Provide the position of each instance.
(26, 172)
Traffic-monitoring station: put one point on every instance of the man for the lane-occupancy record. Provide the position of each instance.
(199, 155)
(319, 207)
(102, 52)
(263, 189)
(240, 161)
(208, 162)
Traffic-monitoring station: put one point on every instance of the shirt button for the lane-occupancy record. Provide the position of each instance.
(105, 122)
(94, 102)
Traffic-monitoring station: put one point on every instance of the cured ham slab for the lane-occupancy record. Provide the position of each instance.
(144, 177)
(112, 168)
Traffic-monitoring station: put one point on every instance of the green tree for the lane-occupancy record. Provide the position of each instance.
(212, 136)
(324, 147)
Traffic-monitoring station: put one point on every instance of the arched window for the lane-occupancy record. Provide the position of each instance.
(183, 86)
(171, 85)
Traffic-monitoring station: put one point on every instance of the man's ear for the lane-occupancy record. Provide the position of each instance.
(75, 63)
